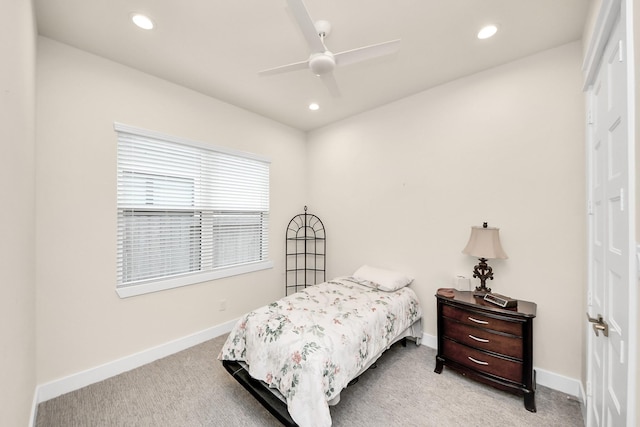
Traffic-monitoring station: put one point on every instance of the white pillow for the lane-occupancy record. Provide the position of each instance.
(385, 280)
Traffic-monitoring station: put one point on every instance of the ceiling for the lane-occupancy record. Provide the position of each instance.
(217, 47)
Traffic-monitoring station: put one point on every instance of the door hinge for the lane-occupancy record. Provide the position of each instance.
(589, 117)
(588, 388)
(589, 298)
(589, 207)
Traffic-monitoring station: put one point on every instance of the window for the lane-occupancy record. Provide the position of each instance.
(187, 212)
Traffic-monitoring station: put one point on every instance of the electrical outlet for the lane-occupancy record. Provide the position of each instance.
(223, 304)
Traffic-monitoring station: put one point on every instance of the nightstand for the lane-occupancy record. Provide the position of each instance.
(488, 343)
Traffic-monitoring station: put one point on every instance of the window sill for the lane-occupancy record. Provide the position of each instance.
(191, 279)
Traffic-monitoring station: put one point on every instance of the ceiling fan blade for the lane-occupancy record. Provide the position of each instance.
(285, 68)
(306, 25)
(367, 52)
(330, 81)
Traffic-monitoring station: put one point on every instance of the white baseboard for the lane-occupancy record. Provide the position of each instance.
(76, 381)
(544, 378)
(430, 341)
(570, 386)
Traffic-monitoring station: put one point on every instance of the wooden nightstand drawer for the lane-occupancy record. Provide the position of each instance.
(483, 339)
(483, 362)
(475, 319)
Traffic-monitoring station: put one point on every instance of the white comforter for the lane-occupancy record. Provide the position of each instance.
(309, 345)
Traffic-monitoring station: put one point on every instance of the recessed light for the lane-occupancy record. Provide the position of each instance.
(314, 106)
(142, 21)
(487, 32)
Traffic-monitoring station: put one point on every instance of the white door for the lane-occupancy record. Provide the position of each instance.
(611, 239)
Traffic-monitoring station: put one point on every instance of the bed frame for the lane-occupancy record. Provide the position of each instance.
(267, 396)
(261, 392)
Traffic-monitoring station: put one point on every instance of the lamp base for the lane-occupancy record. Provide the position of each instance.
(481, 291)
(483, 272)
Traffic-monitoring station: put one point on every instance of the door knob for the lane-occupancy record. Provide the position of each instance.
(599, 325)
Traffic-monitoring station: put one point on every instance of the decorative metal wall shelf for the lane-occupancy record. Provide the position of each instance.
(305, 259)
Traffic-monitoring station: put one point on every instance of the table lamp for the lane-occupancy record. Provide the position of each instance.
(484, 243)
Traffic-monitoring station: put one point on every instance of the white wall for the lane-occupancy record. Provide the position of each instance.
(17, 140)
(400, 186)
(81, 322)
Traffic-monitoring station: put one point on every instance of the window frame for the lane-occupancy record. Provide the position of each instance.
(144, 286)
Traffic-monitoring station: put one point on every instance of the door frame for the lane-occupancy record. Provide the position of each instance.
(603, 26)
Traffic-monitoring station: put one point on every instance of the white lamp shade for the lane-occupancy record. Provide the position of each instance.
(485, 243)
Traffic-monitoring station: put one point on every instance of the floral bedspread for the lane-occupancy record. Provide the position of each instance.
(309, 345)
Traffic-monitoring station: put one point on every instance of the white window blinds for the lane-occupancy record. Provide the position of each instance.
(186, 209)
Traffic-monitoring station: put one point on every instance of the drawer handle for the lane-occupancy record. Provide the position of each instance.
(479, 362)
(482, 322)
(478, 339)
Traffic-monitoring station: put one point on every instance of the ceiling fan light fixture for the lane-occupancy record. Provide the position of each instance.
(142, 21)
(488, 31)
(322, 63)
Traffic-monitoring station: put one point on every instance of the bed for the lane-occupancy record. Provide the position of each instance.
(297, 354)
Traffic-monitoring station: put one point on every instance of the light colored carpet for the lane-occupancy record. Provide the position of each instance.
(192, 388)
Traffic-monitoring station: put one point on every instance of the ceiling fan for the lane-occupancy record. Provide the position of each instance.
(321, 61)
